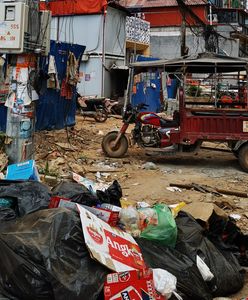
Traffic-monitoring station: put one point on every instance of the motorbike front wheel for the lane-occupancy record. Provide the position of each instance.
(101, 115)
(114, 151)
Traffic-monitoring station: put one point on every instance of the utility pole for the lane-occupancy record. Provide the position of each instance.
(183, 34)
(25, 38)
(209, 33)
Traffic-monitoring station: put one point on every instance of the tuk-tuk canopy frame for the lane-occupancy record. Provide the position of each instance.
(200, 63)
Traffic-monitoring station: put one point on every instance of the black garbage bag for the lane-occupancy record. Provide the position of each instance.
(226, 235)
(112, 194)
(229, 277)
(189, 281)
(29, 196)
(44, 257)
(76, 192)
(7, 214)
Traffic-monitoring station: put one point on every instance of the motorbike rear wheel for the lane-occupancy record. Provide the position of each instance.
(101, 115)
(119, 150)
(243, 157)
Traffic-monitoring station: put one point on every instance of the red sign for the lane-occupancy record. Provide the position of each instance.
(95, 235)
(124, 251)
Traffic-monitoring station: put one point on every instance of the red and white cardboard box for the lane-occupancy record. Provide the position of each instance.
(131, 285)
(110, 217)
(55, 201)
(113, 248)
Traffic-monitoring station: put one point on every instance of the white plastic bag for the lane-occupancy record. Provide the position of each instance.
(129, 217)
(206, 274)
(165, 283)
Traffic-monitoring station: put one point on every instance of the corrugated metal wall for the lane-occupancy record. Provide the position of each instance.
(88, 30)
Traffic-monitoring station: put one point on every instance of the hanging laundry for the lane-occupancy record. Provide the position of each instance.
(168, 80)
(53, 81)
(66, 90)
(72, 75)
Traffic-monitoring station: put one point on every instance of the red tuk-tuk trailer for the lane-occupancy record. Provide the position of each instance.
(199, 118)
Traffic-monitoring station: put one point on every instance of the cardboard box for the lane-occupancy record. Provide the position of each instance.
(55, 201)
(110, 217)
(23, 171)
(115, 249)
(131, 285)
(110, 207)
(203, 211)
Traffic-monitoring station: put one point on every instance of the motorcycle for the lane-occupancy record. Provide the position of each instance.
(93, 107)
(150, 131)
(111, 106)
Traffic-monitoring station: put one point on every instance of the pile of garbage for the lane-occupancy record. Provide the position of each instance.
(81, 240)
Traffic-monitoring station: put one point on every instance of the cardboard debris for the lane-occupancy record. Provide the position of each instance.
(3, 161)
(108, 216)
(115, 249)
(135, 285)
(66, 146)
(203, 211)
(90, 184)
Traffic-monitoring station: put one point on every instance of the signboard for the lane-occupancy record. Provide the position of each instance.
(115, 249)
(245, 126)
(13, 18)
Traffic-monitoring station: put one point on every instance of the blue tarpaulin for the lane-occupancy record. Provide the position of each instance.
(148, 89)
(3, 117)
(53, 110)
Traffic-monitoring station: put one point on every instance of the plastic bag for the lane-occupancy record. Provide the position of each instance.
(165, 231)
(129, 219)
(28, 196)
(6, 202)
(226, 236)
(165, 283)
(44, 257)
(76, 192)
(228, 276)
(190, 284)
(80, 194)
(207, 275)
(147, 216)
(111, 195)
(7, 214)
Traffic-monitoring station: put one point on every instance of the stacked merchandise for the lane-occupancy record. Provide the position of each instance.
(138, 30)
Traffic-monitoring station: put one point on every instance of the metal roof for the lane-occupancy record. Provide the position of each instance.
(201, 63)
(157, 3)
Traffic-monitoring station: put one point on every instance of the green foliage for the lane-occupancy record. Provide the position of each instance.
(194, 91)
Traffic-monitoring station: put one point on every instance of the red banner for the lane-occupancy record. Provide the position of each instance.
(73, 7)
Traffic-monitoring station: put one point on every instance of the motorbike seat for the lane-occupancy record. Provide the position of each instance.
(97, 101)
(168, 123)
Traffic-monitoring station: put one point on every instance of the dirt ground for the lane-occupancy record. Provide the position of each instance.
(79, 150)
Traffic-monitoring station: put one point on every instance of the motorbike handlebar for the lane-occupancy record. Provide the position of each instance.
(135, 109)
(141, 105)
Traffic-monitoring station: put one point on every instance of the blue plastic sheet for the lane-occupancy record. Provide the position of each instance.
(3, 117)
(54, 111)
(148, 90)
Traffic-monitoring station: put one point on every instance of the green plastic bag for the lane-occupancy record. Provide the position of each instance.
(6, 202)
(165, 231)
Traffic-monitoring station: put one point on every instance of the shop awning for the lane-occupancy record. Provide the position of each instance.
(75, 7)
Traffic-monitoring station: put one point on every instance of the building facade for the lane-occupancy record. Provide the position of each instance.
(102, 28)
(229, 19)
